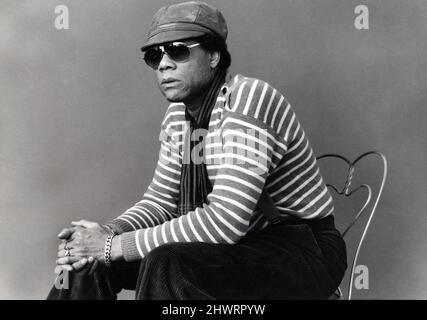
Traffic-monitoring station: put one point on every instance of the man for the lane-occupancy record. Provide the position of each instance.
(237, 208)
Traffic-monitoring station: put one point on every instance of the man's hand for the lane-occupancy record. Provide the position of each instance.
(72, 263)
(66, 233)
(86, 240)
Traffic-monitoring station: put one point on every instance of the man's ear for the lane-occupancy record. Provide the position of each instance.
(214, 60)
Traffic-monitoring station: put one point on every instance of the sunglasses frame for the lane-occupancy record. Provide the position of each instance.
(163, 52)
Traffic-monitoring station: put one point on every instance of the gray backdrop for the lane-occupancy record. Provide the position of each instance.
(80, 118)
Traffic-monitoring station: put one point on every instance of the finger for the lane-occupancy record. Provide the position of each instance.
(84, 223)
(66, 233)
(77, 266)
(65, 267)
(93, 267)
(58, 269)
(63, 244)
(61, 254)
(88, 266)
(67, 260)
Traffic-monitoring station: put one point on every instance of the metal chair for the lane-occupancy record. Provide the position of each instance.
(345, 191)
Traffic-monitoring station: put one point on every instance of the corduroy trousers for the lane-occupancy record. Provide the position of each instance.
(283, 261)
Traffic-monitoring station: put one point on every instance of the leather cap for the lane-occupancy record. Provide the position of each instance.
(185, 20)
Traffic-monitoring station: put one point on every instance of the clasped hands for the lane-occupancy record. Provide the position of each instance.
(84, 241)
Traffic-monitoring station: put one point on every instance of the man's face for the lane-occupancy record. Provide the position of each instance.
(185, 81)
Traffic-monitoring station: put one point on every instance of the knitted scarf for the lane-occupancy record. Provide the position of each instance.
(194, 183)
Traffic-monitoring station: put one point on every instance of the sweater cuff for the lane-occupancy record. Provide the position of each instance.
(129, 247)
(118, 226)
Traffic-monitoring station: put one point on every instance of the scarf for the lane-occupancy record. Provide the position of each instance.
(194, 183)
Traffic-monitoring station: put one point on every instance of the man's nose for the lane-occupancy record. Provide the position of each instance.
(166, 63)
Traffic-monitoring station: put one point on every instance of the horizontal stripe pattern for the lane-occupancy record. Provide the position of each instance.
(255, 141)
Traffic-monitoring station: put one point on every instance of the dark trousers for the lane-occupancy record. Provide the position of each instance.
(283, 261)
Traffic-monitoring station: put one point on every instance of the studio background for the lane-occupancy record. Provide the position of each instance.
(80, 118)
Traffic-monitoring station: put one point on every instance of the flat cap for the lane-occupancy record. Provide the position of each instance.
(185, 20)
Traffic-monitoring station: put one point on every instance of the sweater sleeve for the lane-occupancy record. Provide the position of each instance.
(243, 165)
(159, 202)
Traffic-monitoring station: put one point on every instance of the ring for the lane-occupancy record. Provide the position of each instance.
(67, 251)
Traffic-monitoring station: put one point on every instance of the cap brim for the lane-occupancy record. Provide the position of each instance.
(172, 35)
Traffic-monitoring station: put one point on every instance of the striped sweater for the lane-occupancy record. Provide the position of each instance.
(254, 142)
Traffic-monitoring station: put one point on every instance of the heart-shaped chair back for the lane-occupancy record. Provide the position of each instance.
(348, 191)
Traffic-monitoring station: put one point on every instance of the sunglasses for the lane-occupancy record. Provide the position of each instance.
(177, 51)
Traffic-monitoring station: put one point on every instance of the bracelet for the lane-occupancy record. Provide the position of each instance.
(107, 250)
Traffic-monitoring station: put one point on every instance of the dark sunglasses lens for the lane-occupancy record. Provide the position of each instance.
(152, 57)
(177, 52)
